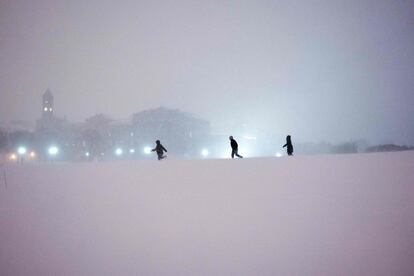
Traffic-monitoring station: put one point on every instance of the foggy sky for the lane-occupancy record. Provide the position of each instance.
(318, 70)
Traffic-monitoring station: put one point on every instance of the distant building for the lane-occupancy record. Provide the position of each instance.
(47, 105)
(48, 120)
(52, 130)
(99, 136)
(388, 147)
(172, 127)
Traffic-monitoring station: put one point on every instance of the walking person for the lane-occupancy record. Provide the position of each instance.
(234, 148)
(159, 149)
(289, 145)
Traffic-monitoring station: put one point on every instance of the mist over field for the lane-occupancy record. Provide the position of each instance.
(330, 71)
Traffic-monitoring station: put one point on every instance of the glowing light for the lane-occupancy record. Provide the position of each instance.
(204, 152)
(119, 151)
(13, 157)
(87, 154)
(53, 150)
(21, 150)
(32, 154)
(147, 150)
(131, 151)
(45, 109)
(278, 154)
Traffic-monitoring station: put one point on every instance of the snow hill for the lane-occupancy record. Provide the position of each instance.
(306, 215)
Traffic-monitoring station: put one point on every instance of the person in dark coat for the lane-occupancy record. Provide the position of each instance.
(289, 145)
(160, 150)
(234, 148)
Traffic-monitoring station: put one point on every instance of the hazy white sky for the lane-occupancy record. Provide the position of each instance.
(319, 70)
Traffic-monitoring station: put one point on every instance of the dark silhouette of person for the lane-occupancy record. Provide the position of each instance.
(159, 149)
(289, 145)
(234, 148)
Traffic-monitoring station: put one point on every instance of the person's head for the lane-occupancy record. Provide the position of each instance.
(158, 142)
(231, 137)
(288, 138)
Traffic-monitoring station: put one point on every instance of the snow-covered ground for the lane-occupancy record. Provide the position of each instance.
(306, 215)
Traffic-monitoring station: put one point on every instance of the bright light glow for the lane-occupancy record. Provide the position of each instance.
(21, 150)
(131, 151)
(278, 154)
(53, 150)
(87, 154)
(32, 154)
(50, 109)
(204, 152)
(13, 157)
(119, 151)
(45, 109)
(147, 150)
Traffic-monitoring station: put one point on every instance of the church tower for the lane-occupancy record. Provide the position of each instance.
(47, 107)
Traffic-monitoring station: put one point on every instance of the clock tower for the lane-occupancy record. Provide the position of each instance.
(47, 106)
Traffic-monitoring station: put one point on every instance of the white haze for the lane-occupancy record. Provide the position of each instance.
(319, 70)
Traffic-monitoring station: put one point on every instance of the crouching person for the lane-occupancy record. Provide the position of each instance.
(159, 149)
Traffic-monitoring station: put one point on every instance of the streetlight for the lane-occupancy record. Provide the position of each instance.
(204, 152)
(119, 151)
(13, 157)
(147, 150)
(53, 150)
(21, 150)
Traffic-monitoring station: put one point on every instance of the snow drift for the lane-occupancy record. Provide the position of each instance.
(306, 215)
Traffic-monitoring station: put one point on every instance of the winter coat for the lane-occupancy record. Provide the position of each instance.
(233, 144)
(159, 149)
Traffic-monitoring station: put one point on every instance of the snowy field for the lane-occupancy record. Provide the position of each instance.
(306, 215)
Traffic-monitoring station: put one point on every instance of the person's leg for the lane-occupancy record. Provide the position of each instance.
(238, 155)
(232, 153)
